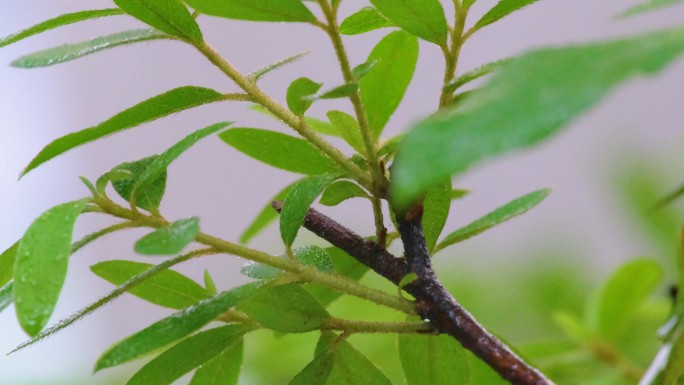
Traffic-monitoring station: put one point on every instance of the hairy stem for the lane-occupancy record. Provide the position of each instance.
(452, 55)
(349, 326)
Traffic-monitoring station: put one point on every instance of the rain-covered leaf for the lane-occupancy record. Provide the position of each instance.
(267, 215)
(188, 355)
(340, 191)
(297, 203)
(41, 264)
(434, 360)
(149, 198)
(422, 18)
(173, 328)
(167, 288)
(502, 214)
(436, 207)
(613, 307)
(168, 103)
(169, 240)
(312, 256)
(68, 52)
(7, 259)
(344, 265)
(224, 369)
(526, 102)
(59, 21)
(296, 93)
(348, 129)
(383, 87)
(365, 20)
(287, 308)
(648, 6)
(279, 150)
(263, 10)
(501, 10)
(170, 16)
(258, 74)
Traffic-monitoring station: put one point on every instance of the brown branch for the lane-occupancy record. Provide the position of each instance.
(435, 303)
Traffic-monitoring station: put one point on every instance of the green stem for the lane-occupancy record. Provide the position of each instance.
(452, 55)
(350, 326)
(76, 246)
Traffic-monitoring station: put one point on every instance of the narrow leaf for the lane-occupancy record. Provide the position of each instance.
(351, 366)
(525, 103)
(59, 21)
(187, 355)
(339, 92)
(258, 74)
(296, 93)
(167, 288)
(7, 259)
(265, 216)
(149, 198)
(169, 240)
(365, 20)
(41, 264)
(383, 88)
(362, 69)
(312, 256)
(297, 203)
(422, 18)
(468, 3)
(436, 207)
(263, 10)
(6, 296)
(340, 191)
(173, 328)
(651, 5)
(170, 16)
(279, 150)
(224, 369)
(348, 129)
(501, 10)
(286, 308)
(209, 283)
(500, 215)
(68, 52)
(318, 125)
(434, 360)
(168, 103)
(475, 74)
(344, 265)
(316, 372)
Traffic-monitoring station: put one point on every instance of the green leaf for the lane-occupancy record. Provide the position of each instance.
(422, 18)
(340, 191)
(436, 207)
(362, 69)
(263, 10)
(279, 150)
(365, 20)
(224, 369)
(613, 307)
(383, 88)
(287, 308)
(7, 259)
(339, 92)
(160, 163)
(674, 370)
(297, 91)
(149, 198)
(169, 240)
(501, 10)
(267, 215)
(468, 3)
(316, 372)
(170, 16)
(348, 129)
(344, 265)
(209, 283)
(297, 203)
(258, 74)
(502, 214)
(308, 255)
(168, 103)
(648, 6)
(350, 366)
(434, 360)
(41, 264)
(68, 52)
(526, 102)
(59, 21)
(321, 126)
(188, 354)
(167, 288)
(475, 74)
(6, 296)
(173, 328)
(111, 176)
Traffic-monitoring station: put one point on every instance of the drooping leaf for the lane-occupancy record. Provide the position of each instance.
(527, 101)
(344, 265)
(188, 355)
(170, 16)
(502, 214)
(265, 216)
(168, 103)
(160, 163)
(287, 308)
(173, 328)
(648, 6)
(258, 74)
(279, 150)
(7, 259)
(297, 203)
(316, 372)
(422, 18)
(350, 366)
(167, 288)
(434, 360)
(209, 283)
(502, 9)
(383, 87)
(169, 240)
(296, 93)
(340, 191)
(263, 10)
(41, 264)
(348, 129)
(312, 256)
(436, 207)
(613, 307)
(365, 20)
(224, 369)
(59, 21)
(149, 198)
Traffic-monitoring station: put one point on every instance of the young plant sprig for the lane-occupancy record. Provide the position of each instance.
(528, 99)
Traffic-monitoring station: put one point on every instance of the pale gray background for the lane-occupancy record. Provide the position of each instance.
(224, 187)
